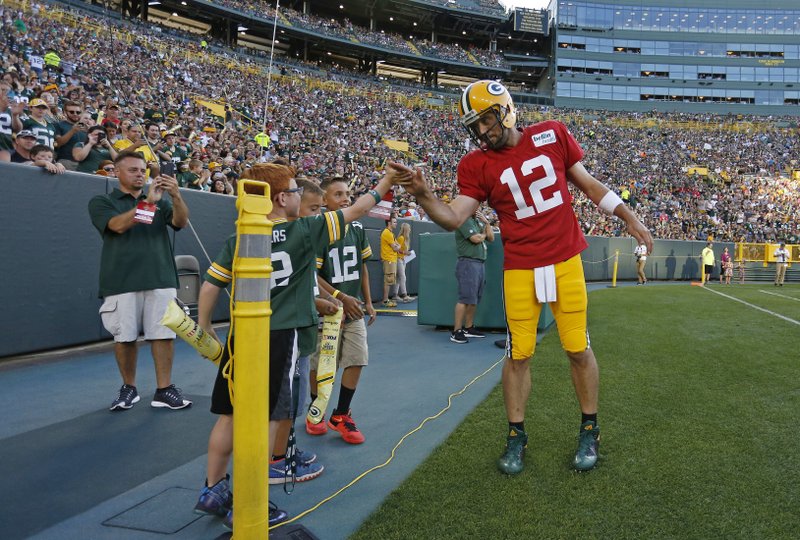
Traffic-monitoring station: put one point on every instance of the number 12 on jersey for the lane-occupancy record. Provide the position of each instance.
(347, 268)
(540, 204)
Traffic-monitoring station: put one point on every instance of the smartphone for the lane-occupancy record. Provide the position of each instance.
(168, 168)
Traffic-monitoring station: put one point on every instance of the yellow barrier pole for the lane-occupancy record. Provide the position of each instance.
(616, 265)
(251, 313)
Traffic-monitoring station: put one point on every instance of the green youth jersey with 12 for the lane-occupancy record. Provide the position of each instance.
(341, 266)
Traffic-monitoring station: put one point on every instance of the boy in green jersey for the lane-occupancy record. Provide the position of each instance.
(343, 273)
(307, 466)
(294, 247)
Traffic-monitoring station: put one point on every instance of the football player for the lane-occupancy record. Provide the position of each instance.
(524, 173)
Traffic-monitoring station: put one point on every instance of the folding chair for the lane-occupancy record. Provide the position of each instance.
(188, 282)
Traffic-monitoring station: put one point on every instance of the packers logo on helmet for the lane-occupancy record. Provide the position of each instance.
(483, 97)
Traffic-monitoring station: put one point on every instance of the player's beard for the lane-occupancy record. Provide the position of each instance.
(488, 144)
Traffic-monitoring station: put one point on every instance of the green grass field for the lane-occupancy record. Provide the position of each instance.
(700, 399)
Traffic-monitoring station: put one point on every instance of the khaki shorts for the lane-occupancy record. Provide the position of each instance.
(353, 349)
(128, 315)
(389, 272)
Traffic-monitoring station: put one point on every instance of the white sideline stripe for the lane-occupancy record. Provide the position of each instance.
(780, 295)
(778, 315)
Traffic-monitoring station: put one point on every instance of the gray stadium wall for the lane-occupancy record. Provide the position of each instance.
(50, 300)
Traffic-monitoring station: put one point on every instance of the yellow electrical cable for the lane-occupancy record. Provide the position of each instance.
(391, 456)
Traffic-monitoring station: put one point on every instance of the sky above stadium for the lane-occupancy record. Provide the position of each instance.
(530, 4)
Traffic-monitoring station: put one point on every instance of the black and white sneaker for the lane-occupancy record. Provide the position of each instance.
(458, 337)
(170, 397)
(473, 332)
(125, 399)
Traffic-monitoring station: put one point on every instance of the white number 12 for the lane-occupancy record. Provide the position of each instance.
(540, 204)
(346, 270)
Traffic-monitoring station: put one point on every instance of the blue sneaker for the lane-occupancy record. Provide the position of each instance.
(216, 500)
(305, 457)
(588, 447)
(276, 516)
(304, 473)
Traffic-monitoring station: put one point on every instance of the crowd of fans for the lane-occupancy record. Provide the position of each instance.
(492, 7)
(725, 184)
(112, 90)
(388, 40)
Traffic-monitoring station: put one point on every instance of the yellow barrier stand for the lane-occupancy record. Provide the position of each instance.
(616, 265)
(250, 326)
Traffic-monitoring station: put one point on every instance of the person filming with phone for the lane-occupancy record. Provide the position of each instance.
(138, 276)
(96, 149)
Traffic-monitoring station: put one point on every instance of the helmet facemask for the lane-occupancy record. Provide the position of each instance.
(482, 140)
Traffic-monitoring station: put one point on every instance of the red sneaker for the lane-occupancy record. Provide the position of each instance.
(316, 429)
(344, 424)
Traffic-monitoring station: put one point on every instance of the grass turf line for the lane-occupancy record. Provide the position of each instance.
(699, 396)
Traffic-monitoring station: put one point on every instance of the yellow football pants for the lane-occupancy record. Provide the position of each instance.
(523, 309)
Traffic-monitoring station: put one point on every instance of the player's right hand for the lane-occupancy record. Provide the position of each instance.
(416, 185)
(398, 174)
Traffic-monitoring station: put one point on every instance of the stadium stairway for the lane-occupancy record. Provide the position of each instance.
(473, 59)
(75, 470)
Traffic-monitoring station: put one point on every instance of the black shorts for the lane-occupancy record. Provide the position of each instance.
(709, 268)
(281, 349)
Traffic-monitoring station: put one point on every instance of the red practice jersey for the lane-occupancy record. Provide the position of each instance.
(527, 187)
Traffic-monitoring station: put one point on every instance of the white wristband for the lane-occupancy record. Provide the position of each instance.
(609, 202)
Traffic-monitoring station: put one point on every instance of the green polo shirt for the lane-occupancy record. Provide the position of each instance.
(141, 258)
(464, 247)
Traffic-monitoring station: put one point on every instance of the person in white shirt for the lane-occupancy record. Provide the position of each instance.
(782, 260)
(640, 252)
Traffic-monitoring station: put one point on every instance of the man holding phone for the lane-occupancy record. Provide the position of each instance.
(70, 132)
(167, 168)
(97, 148)
(138, 277)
